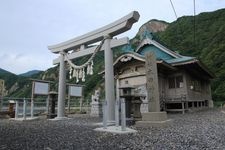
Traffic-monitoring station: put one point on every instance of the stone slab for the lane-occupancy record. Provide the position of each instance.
(101, 123)
(153, 119)
(117, 130)
(59, 118)
(146, 124)
(154, 116)
(27, 119)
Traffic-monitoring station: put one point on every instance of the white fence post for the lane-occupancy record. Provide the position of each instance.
(1, 102)
(117, 113)
(32, 108)
(47, 104)
(24, 108)
(105, 114)
(123, 115)
(17, 109)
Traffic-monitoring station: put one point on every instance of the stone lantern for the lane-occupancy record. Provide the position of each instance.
(133, 102)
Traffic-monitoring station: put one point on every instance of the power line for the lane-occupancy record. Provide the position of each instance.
(173, 8)
(194, 44)
(194, 7)
(178, 29)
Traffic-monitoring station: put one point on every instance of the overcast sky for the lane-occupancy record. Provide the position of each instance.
(29, 26)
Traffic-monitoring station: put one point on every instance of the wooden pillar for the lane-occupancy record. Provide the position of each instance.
(183, 108)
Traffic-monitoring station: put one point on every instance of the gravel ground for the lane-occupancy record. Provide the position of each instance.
(191, 131)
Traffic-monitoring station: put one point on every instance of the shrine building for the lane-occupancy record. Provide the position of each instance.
(184, 82)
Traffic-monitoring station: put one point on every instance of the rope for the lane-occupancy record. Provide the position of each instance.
(78, 71)
(88, 61)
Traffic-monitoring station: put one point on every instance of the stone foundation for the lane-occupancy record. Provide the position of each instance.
(156, 119)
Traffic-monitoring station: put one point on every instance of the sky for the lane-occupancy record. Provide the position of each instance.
(28, 27)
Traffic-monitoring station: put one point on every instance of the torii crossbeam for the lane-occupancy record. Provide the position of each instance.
(107, 32)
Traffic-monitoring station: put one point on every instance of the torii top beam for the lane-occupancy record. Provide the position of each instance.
(123, 24)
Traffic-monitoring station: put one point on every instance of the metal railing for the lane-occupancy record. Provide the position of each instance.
(40, 105)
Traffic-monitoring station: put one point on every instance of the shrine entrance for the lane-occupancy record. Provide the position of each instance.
(80, 46)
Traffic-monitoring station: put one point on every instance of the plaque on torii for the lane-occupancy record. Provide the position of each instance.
(82, 42)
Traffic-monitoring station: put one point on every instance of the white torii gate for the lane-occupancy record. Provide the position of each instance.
(107, 32)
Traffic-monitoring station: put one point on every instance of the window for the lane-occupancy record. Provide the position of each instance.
(172, 82)
(176, 82)
(195, 85)
(179, 82)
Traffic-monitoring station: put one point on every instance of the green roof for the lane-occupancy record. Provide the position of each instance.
(161, 52)
(178, 60)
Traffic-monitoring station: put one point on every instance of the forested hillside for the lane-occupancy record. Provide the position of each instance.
(202, 36)
(14, 84)
(205, 40)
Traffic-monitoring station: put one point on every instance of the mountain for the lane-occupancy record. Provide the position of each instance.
(16, 85)
(207, 44)
(204, 40)
(2, 71)
(30, 73)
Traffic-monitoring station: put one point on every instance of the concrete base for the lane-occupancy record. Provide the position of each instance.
(155, 119)
(111, 123)
(27, 119)
(211, 104)
(154, 116)
(59, 118)
(147, 124)
(117, 130)
(96, 109)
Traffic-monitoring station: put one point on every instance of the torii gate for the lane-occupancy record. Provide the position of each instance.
(107, 32)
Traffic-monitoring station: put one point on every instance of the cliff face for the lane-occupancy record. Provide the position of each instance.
(153, 26)
(147, 29)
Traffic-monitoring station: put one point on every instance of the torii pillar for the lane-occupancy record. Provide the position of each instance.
(106, 32)
(61, 88)
(109, 79)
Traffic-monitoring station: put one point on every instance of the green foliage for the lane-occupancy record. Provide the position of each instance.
(209, 44)
(16, 85)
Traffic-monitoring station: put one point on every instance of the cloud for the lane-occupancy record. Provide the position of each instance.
(20, 63)
(28, 27)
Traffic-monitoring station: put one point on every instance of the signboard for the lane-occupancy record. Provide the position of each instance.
(75, 91)
(41, 88)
